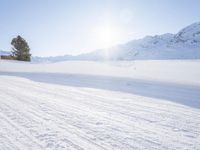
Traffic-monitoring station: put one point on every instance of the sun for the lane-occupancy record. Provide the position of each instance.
(106, 35)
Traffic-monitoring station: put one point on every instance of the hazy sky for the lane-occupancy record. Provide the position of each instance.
(57, 27)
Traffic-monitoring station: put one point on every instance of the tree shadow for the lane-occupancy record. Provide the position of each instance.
(179, 93)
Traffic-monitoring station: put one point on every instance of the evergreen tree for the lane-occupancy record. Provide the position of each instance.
(20, 49)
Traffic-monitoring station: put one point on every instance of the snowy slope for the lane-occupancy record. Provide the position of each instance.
(189, 35)
(100, 106)
(175, 71)
(183, 45)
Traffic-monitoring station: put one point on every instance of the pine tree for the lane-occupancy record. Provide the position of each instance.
(20, 49)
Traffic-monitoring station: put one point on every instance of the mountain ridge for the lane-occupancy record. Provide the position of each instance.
(185, 44)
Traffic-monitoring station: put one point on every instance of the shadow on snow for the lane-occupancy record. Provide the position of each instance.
(184, 94)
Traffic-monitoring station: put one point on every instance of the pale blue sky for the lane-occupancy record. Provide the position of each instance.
(57, 27)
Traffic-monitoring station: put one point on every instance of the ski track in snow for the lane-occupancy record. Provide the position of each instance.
(55, 107)
(36, 115)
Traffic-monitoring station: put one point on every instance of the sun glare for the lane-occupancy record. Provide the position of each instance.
(106, 35)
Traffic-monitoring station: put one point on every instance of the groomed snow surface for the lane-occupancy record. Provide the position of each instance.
(100, 105)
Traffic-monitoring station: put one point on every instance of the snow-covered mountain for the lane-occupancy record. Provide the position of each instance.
(189, 35)
(4, 53)
(183, 45)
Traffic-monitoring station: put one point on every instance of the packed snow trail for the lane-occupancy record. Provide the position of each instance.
(38, 115)
(45, 107)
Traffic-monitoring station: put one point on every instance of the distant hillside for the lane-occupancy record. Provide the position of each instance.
(183, 45)
(4, 53)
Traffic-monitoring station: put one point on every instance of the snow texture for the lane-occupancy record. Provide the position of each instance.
(100, 106)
